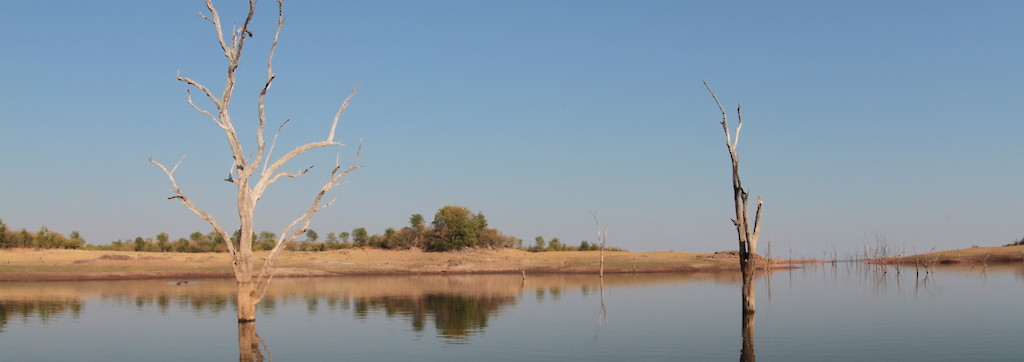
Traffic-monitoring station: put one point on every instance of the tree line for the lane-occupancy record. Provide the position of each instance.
(453, 228)
(42, 239)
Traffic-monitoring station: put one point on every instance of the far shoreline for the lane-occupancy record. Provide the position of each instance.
(26, 265)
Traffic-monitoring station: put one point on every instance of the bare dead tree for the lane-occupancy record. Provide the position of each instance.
(602, 237)
(747, 234)
(254, 175)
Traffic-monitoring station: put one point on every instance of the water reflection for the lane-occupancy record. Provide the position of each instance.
(458, 306)
(44, 310)
(455, 317)
(747, 329)
(657, 316)
(250, 346)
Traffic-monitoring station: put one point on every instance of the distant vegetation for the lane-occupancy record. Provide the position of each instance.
(1018, 242)
(453, 228)
(42, 239)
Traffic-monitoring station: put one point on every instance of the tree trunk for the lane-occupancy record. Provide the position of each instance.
(247, 301)
(747, 269)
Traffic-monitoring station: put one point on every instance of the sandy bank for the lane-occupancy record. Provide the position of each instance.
(30, 265)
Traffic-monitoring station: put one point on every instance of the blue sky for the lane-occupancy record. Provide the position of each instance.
(864, 120)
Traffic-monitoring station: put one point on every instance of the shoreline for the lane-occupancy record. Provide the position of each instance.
(26, 265)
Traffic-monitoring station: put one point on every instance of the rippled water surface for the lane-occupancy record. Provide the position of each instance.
(818, 313)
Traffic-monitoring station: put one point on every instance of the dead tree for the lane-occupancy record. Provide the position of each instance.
(254, 173)
(602, 237)
(747, 234)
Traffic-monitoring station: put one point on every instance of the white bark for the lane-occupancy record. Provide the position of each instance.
(251, 185)
(746, 233)
(602, 237)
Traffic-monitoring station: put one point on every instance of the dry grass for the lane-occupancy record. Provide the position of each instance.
(978, 255)
(29, 264)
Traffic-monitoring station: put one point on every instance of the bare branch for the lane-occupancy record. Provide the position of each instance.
(344, 105)
(263, 93)
(757, 227)
(188, 203)
(173, 168)
(739, 125)
(200, 110)
(274, 143)
(201, 87)
(289, 233)
(725, 119)
(270, 175)
(216, 25)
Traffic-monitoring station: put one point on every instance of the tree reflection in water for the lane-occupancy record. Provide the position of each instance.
(456, 317)
(250, 346)
(44, 309)
(747, 352)
(454, 308)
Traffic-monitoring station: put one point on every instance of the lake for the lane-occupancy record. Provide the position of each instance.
(842, 312)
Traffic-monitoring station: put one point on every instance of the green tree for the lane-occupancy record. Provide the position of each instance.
(360, 237)
(539, 244)
(180, 245)
(555, 245)
(481, 221)
(390, 239)
(76, 241)
(5, 242)
(332, 243)
(585, 246)
(455, 227)
(493, 239)
(162, 242)
(217, 238)
(416, 221)
(345, 239)
(22, 239)
(43, 238)
(140, 244)
(311, 235)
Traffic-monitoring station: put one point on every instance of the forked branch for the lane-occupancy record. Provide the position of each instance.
(747, 235)
(289, 233)
(188, 202)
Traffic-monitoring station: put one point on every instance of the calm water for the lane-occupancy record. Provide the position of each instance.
(820, 313)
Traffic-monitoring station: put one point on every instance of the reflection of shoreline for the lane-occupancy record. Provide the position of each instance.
(352, 286)
(45, 310)
(487, 293)
(455, 317)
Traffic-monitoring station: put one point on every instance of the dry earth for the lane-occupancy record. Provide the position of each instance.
(29, 264)
(977, 255)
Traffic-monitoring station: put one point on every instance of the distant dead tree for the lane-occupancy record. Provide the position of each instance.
(747, 234)
(602, 237)
(254, 172)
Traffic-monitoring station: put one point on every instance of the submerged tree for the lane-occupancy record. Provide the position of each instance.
(254, 172)
(747, 234)
(602, 237)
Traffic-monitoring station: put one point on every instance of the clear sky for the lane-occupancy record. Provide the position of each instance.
(863, 119)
